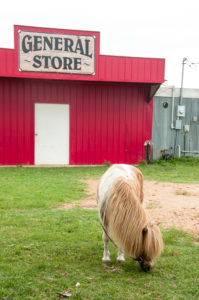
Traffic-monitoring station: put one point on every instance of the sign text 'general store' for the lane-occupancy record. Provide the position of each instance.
(57, 53)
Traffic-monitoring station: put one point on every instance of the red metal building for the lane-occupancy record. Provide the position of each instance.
(61, 102)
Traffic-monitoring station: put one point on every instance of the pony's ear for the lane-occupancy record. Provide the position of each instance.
(144, 231)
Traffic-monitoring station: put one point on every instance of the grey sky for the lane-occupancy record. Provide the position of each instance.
(167, 29)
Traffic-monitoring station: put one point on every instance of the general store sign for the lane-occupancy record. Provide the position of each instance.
(57, 53)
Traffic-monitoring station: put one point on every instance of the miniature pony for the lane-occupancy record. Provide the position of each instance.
(120, 204)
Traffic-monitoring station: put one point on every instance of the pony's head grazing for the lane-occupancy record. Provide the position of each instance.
(129, 226)
(152, 246)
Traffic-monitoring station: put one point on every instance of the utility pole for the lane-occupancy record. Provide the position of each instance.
(180, 103)
(182, 78)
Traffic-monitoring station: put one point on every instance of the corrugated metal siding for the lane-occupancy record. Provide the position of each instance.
(8, 62)
(131, 69)
(164, 137)
(108, 68)
(108, 122)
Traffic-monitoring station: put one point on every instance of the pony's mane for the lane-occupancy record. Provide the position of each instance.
(127, 219)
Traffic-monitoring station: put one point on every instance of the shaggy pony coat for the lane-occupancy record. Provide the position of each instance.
(120, 199)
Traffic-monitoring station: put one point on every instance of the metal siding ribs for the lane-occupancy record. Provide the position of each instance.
(108, 122)
(111, 69)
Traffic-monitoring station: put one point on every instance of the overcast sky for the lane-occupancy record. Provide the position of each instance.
(146, 28)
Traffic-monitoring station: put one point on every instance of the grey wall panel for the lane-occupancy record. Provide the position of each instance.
(164, 137)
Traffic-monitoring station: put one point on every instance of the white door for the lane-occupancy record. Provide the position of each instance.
(51, 134)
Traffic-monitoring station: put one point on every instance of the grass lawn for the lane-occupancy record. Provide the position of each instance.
(44, 250)
(184, 170)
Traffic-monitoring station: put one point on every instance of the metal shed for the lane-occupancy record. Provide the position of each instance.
(61, 102)
(175, 135)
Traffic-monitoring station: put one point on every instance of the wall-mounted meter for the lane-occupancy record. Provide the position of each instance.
(181, 111)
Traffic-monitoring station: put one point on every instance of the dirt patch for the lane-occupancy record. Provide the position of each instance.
(170, 204)
(90, 201)
(173, 205)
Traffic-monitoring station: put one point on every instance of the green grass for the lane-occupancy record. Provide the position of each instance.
(43, 187)
(44, 250)
(184, 170)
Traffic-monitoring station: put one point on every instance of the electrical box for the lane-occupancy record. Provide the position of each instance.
(178, 124)
(186, 128)
(181, 111)
(194, 119)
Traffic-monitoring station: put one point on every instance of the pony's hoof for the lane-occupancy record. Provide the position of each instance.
(106, 261)
(120, 261)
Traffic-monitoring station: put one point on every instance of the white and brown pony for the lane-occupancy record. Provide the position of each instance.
(120, 204)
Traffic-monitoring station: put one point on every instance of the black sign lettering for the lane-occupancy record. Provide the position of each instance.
(46, 61)
(37, 43)
(37, 61)
(68, 44)
(79, 47)
(67, 63)
(56, 62)
(77, 62)
(58, 42)
(26, 46)
(48, 42)
(87, 48)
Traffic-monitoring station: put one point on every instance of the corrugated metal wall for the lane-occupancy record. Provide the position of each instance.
(108, 122)
(107, 68)
(131, 69)
(163, 136)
